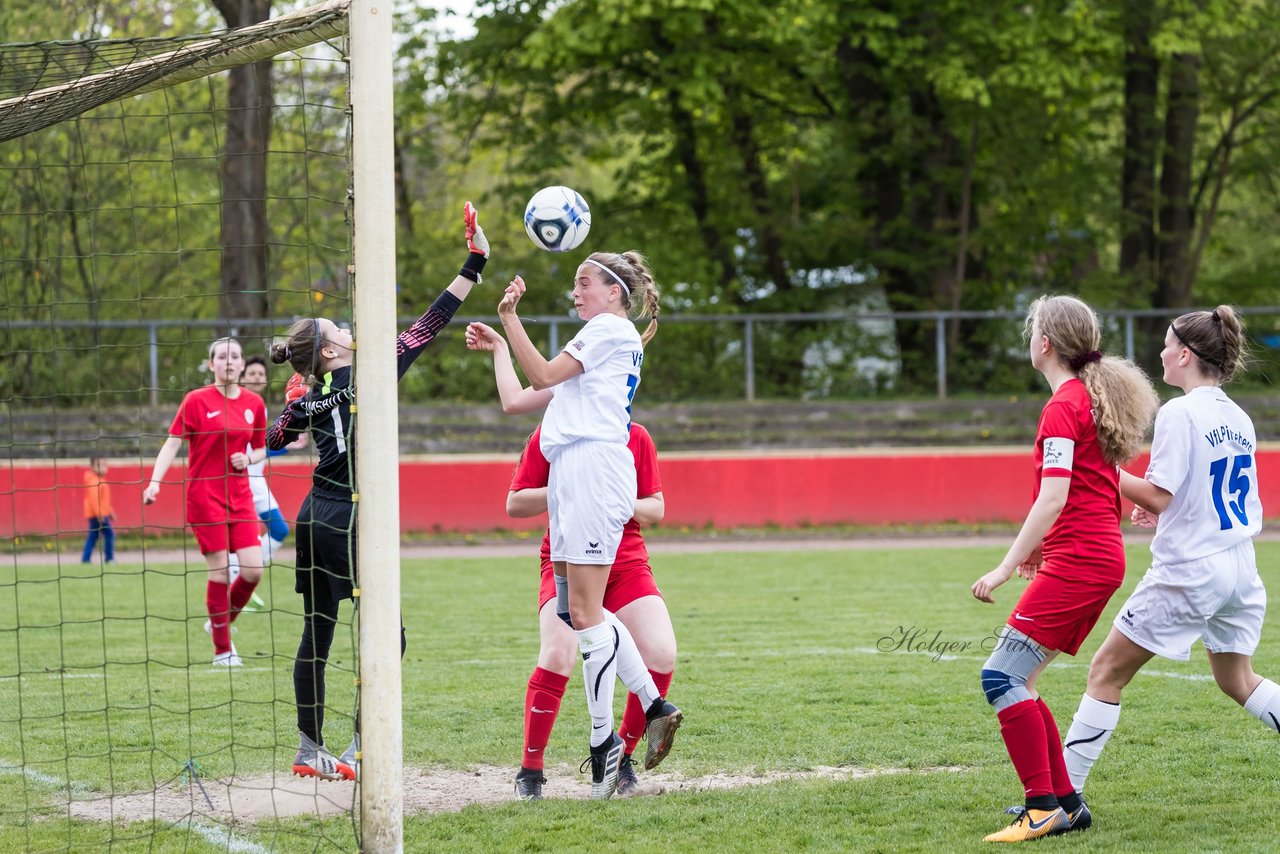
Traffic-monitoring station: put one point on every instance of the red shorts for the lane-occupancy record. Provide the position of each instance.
(227, 535)
(1058, 613)
(625, 585)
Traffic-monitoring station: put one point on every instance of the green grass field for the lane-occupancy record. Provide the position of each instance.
(788, 661)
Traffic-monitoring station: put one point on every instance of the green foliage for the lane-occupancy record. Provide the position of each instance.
(801, 156)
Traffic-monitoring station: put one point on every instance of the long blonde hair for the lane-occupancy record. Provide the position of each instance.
(640, 291)
(1123, 399)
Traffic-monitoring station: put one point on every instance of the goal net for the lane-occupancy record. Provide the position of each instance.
(134, 231)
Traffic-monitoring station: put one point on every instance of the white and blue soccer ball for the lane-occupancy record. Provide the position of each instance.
(557, 219)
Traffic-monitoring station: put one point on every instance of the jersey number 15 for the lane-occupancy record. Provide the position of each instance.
(1229, 492)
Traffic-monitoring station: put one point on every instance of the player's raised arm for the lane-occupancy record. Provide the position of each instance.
(411, 342)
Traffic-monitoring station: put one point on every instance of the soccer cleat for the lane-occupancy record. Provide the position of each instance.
(628, 782)
(314, 760)
(529, 784)
(227, 659)
(1032, 824)
(661, 722)
(351, 757)
(1081, 819)
(255, 599)
(605, 761)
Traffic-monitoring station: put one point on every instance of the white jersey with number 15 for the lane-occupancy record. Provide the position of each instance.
(1205, 454)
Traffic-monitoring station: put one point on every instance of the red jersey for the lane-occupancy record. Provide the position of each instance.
(217, 427)
(1085, 542)
(534, 471)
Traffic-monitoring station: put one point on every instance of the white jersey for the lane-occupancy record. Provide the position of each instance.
(595, 405)
(263, 500)
(1204, 454)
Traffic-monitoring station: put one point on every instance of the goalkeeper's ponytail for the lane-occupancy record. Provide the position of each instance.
(301, 348)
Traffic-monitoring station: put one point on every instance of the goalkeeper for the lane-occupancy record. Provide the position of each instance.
(319, 401)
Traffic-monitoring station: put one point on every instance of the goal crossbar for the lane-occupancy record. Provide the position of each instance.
(205, 55)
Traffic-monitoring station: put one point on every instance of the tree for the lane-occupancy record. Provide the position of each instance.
(243, 172)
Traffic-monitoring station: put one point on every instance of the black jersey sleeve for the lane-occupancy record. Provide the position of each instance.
(291, 423)
(411, 342)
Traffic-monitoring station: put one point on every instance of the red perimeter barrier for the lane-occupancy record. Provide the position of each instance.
(467, 493)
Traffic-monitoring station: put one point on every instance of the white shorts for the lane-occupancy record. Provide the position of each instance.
(263, 501)
(591, 493)
(1219, 599)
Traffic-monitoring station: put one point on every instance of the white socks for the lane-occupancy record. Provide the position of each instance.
(268, 547)
(1264, 704)
(1090, 728)
(599, 645)
(631, 667)
(233, 567)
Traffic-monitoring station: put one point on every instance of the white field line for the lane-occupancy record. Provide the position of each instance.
(56, 675)
(225, 841)
(215, 835)
(1164, 674)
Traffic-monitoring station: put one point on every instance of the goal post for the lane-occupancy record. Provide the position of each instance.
(109, 253)
(377, 427)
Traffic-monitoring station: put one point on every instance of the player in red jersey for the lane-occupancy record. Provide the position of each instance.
(630, 592)
(1069, 547)
(226, 426)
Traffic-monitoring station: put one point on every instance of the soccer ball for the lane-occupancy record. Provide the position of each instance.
(557, 219)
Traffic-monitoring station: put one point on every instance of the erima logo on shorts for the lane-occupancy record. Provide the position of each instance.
(593, 549)
(1127, 617)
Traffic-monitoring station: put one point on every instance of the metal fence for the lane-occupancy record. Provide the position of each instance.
(749, 329)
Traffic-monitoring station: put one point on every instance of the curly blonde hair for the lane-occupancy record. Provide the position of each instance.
(1123, 399)
(641, 290)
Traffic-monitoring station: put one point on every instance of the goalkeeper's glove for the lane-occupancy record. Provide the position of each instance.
(476, 241)
(296, 388)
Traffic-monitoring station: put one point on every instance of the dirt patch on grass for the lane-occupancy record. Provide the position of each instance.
(253, 799)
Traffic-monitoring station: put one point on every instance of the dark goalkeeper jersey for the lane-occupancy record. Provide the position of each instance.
(325, 410)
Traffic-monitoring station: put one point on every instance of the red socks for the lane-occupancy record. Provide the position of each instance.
(1023, 729)
(632, 728)
(1062, 786)
(241, 590)
(541, 705)
(216, 603)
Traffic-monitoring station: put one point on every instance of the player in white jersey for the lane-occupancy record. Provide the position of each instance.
(265, 505)
(592, 485)
(1201, 493)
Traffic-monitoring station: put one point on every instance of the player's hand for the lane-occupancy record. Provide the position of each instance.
(476, 241)
(482, 336)
(239, 461)
(1143, 518)
(510, 297)
(1031, 564)
(149, 494)
(984, 586)
(296, 388)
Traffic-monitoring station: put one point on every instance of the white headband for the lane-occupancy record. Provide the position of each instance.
(610, 272)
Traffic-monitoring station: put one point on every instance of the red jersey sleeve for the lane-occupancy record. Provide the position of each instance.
(1059, 420)
(648, 480)
(533, 470)
(179, 427)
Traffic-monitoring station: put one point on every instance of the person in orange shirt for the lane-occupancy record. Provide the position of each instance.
(97, 509)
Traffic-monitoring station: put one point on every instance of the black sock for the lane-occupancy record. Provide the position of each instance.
(1070, 802)
(1042, 802)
